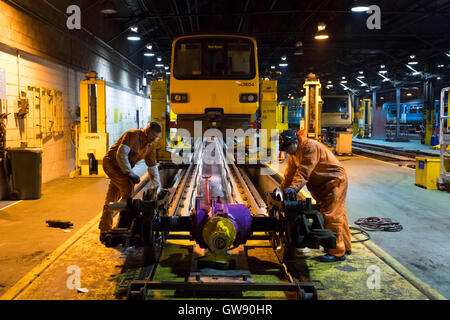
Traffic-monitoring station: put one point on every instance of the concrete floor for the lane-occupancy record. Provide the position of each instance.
(412, 145)
(25, 238)
(384, 190)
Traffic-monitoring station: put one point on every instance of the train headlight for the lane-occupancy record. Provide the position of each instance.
(248, 98)
(179, 97)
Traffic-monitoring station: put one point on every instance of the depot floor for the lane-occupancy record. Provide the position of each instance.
(375, 189)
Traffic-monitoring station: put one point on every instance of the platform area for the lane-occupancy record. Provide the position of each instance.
(412, 145)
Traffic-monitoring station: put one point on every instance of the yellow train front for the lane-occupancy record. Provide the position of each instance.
(214, 79)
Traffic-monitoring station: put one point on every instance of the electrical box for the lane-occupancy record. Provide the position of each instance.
(344, 143)
(427, 172)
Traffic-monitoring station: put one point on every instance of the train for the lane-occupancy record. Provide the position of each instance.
(411, 112)
(214, 79)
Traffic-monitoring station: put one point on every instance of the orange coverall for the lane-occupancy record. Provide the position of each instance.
(121, 186)
(316, 167)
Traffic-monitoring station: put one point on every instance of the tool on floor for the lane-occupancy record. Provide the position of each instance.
(59, 224)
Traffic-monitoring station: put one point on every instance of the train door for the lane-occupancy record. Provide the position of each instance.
(404, 111)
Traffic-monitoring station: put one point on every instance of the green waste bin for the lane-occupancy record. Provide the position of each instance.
(25, 166)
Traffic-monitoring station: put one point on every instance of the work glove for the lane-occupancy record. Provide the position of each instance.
(290, 194)
(134, 177)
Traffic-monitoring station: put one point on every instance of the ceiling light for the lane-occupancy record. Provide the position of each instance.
(159, 59)
(360, 6)
(272, 67)
(149, 47)
(283, 58)
(321, 26)
(166, 67)
(345, 81)
(382, 98)
(134, 38)
(440, 66)
(108, 7)
(322, 35)
(361, 77)
(283, 64)
(439, 78)
(413, 56)
(299, 44)
(134, 29)
(383, 66)
(413, 62)
(361, 72)
(330, 82)
(367, 90)
(149, 54)
(383, 71)
(159, 65)
(298, 52)
(409, 94)
(343, 78)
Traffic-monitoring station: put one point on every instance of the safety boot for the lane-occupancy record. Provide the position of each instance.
(331, 258)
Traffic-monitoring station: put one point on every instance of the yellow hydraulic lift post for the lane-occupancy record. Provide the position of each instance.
(92, 138)
(159, 114)
(312, 102)
(269, 112)
(365, 118)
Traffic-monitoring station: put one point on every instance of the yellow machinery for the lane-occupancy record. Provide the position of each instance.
(92, 136)
(365, 118)
(159, 114)
(273, 116)
(312, 102)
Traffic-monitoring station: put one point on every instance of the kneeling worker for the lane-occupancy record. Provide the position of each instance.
(310, 163)
(132, 147)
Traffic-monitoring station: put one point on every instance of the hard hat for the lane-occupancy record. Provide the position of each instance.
(287, 138)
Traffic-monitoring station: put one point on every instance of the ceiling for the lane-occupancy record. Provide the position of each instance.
(420, 28)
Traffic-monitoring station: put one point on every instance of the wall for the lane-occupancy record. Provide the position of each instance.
(50, 58)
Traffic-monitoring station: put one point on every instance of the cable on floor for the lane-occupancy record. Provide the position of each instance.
(360, 231)
(379, 224)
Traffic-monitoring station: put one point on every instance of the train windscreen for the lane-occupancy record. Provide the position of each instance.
(214, 58)
(335, 105)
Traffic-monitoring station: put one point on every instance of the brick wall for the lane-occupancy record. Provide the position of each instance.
(51, 59)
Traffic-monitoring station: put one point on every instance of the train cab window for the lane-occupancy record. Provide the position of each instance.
(413, 109)
(214, 59)
(189, 59)
(239, 55)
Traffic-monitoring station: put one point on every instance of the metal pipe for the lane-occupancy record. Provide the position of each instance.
(397, 131)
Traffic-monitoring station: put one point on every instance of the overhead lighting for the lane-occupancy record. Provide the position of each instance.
(361, 72)
(322, 35)
(367, 90)
(272, 67)
(409, 94)
(283, 64)
(298, 52)
(382, 98)
(345, 81)
(415, 72)
(440, 66)
(413, 62)
(159, 59)
(384, 78)
(383, 66)
(134, 38)
(134, 29)
(283, 58)
(149, 47)
(149, 54)
(361, 77)
(343, 78)
(330, 81)
(321, 26)
(299, 44)
(166, 67)
(159, 65)
(133, 35)
(363, 84)
(360, 6)
(383, 71)
(108, 7)
(439, 78)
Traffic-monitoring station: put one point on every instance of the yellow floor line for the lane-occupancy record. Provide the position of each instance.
(23, 283)
(12, 204)
(392, 164)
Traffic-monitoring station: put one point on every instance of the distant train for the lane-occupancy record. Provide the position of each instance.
(411, 112)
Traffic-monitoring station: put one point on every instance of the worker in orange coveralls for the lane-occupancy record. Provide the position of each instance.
(310, 163)
(132, 147)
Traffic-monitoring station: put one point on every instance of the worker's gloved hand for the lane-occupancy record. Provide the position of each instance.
(134, 177)
(290, 194)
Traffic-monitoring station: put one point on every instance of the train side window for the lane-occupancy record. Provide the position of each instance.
(413, 109)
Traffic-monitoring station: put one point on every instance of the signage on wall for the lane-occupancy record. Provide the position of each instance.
(2, 84)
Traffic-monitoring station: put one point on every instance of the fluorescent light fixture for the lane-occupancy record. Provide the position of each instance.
(414, 70)
(322, 35)
(149, 47)
(283, 58)
(383, 71)
(343, 78)
(272, 67)
(361, 77)
(134, 38)
(345, 81)
(382, 98)
(166, 67)
(383, 66)
(367, 90)
(321, 26)
(108, 8)
(360, 6)
(439, 78)
(159, 59)
(149, 54)
(413, 62)
(283, 64)
(409, 94)
(361, 72)
(159, 65)
(440, 66)
(168, 73)
(363, 84)
(330, 82)
(413, 56)
(384, 78)
(134, 29)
